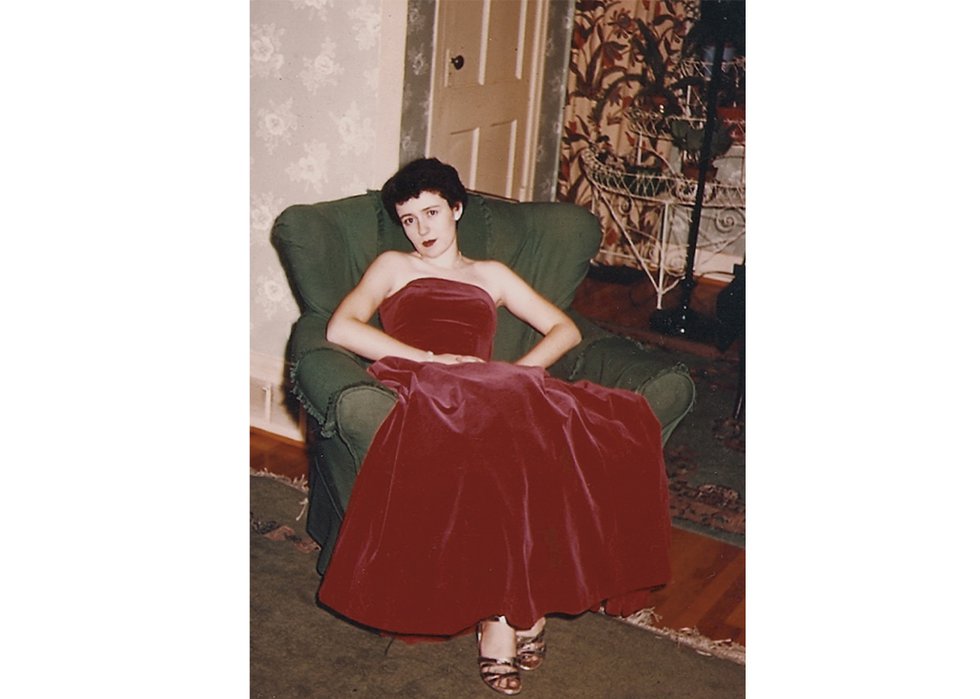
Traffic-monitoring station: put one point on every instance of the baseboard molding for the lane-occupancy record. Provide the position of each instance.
(271, 405)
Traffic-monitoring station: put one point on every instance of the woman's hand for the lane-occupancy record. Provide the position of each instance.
(451, 358)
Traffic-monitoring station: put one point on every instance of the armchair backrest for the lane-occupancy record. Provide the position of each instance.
(326, 247)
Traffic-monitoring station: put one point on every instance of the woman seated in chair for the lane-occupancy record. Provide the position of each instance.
(493, 494)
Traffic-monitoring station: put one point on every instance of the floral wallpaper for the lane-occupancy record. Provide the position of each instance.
(417, 90)
(317, 117)
(554, 84)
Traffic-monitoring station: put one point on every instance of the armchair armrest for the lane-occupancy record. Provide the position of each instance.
(330, 380)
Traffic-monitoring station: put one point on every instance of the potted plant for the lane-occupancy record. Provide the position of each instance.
(689, 138)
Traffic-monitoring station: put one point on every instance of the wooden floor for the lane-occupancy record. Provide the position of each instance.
(707, 592)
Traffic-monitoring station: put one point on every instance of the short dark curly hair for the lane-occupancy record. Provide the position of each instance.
(422, 175)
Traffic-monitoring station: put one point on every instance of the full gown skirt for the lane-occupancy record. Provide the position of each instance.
(495, 489)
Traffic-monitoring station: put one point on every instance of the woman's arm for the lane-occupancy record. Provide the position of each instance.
(349, 327)
(560, 332)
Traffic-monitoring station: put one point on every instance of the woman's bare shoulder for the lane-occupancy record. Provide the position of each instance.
(493, 269)
(388, 263)
(392, 258)
(497, 278)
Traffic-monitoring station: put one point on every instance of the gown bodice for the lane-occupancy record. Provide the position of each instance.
(442, 316)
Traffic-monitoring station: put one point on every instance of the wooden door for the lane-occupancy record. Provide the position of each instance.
(486, 92)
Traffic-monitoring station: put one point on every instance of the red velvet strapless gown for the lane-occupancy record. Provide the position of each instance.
(496, 489)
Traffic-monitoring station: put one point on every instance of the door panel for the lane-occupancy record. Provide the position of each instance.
(498, 143)
(506, 31)
(484, 112)
(461, 153)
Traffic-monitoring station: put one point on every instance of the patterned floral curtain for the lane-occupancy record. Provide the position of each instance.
(622, 51)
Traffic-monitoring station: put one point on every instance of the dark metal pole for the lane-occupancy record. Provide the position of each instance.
(679, 320)
(688, 283)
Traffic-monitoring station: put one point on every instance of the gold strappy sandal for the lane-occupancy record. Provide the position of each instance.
(531, 651)
(493, 677)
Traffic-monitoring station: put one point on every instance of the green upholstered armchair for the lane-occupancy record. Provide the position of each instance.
(325, 249)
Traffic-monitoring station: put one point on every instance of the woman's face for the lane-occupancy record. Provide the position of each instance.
(430, 223)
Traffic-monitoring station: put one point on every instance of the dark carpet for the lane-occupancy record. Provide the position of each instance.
(705, 456)
(301, 651)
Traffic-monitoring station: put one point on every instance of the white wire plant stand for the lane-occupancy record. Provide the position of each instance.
(641, 197)
(733, 71)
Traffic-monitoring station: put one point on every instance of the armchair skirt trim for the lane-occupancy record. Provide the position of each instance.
(326, 418)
